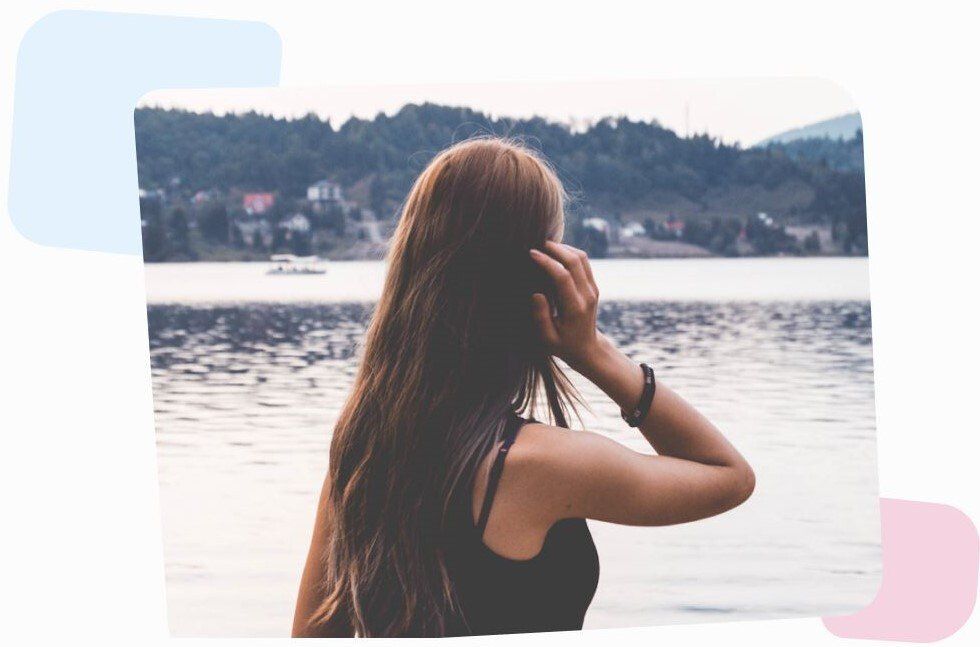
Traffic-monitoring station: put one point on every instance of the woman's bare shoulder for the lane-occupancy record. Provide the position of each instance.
(542, 448)
(555, 463)
(541, 460)
(549, 448)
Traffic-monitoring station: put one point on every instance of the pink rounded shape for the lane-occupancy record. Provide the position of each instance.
(930, 558)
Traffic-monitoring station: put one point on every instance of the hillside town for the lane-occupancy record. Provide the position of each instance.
(250, 225)
(244, 187)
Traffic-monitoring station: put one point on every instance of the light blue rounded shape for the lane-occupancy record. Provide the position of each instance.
(79, 75)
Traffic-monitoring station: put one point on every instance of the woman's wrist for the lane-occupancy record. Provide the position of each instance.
(611, 370)
(591, 360)
(600, 360)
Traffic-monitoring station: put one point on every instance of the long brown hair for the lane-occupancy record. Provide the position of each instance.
(450, 351)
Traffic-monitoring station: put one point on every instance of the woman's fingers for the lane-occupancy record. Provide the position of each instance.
(568, 294)
(541, 311)
(571, 259)
(577, 263)
(588, 271)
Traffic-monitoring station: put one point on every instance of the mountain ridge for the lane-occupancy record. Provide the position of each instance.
(841, 127)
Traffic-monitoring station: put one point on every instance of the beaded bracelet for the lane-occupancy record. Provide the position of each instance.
(635, 417)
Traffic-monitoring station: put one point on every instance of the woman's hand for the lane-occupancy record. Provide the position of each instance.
(570, 333)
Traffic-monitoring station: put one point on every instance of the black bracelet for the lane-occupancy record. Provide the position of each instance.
(635, 417)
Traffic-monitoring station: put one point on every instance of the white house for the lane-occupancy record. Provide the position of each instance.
(599, 224)
(152, 194)
(631, 230)
(296, 224)
(325, 191)
(326, 195)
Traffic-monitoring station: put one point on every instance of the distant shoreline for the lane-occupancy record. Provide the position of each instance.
(624, 257)
(794, 278)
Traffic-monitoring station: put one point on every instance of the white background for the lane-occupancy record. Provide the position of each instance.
(81, 554)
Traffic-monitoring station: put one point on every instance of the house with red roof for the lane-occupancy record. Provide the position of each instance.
(258, 203)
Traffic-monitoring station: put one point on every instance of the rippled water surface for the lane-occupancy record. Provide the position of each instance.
(246, 394)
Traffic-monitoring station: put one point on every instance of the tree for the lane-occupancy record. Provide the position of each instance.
(334, 219)
(156, 245)
(215, 224)
(299, 244)
(180, 234)
(811, 244)
(769, 238)
(280, 240)
(592, 241)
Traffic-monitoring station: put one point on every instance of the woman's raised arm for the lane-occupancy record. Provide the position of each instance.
(697, 472)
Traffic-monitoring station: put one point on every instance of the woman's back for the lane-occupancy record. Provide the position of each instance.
(480, 302)
(549, 591)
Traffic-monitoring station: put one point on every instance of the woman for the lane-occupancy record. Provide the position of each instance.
(443, 512)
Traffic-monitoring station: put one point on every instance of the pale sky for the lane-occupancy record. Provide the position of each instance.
(736, 110)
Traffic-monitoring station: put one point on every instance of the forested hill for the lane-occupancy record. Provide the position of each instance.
(618, 168)
(839, 154)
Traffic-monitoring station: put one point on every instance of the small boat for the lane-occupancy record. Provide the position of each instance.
(290, 264)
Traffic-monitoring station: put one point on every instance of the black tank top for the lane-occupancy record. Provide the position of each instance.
(497, 595)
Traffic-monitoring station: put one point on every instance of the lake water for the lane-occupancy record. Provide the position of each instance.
(249, 373)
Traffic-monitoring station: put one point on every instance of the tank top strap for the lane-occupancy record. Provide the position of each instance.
(512, 426)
